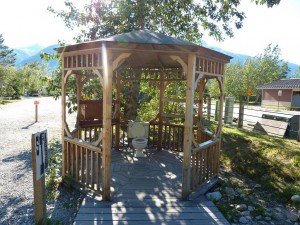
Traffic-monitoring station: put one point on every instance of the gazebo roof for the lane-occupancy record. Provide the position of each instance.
(147, 41)
(146, 37)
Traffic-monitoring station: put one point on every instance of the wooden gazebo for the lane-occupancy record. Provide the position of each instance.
(139, 56)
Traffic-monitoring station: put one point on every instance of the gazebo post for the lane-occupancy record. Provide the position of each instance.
(63, 117)
(161, 110)
(107, 136)
(118, 110)
(188, 127)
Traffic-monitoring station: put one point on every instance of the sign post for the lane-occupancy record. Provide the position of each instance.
(36, 103)
(39, 142)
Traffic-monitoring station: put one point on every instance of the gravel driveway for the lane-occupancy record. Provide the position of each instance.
(16, 126)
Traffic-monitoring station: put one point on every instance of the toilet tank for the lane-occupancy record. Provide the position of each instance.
(138, 129)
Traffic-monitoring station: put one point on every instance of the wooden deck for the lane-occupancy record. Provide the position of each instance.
(147, 191)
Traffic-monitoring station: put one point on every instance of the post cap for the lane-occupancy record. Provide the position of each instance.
(36, 102)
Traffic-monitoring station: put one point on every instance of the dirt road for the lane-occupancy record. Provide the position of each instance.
(17, 123)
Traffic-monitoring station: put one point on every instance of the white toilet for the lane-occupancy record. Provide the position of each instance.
(139, 131)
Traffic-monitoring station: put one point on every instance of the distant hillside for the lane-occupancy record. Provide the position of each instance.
(52, 64)
(242, 58)
(23, 57)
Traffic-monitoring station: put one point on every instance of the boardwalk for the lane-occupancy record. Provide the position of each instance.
(147, 191)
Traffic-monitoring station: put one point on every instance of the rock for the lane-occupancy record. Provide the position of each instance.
(214, 196)
(241, 207)
(251, 208)
(259, 217)
(257, 186)
(245, 213)
(267, 218)
(238, 190)
(230, 192)
(299, 214)
(243, 220)
(292, 216)
(295, 198)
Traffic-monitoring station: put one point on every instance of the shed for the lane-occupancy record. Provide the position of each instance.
(281, 93)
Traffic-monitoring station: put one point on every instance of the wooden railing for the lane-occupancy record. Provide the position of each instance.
(172, 136)
(205, 162)
(83, 163)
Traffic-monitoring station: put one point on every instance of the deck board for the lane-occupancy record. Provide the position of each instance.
(147, 191)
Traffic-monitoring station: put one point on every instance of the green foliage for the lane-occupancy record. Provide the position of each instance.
(184, 19)
(54, 169)
(7, 55)
(262, 69)
(264, 159)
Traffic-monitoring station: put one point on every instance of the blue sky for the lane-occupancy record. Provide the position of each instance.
(27, 22)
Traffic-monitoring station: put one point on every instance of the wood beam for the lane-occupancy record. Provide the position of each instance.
(107, 136)
(97, 72)
(181, 62)
(188, 127)
(119, 60)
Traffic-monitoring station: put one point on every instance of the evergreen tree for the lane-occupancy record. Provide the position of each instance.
(7, 55)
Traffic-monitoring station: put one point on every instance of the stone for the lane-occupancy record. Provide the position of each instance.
(259, 217)
(238, 190)
(295, 198)
(292, 216)
(243, 220)
(230, 191)
(241, 207)
(257, 186)
(299, 214)
(251, 208)
(214, 196)
(245, 213)
(267, 218)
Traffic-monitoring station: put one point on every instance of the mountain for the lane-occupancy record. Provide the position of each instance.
(52, 64)
(242, 58)
(24, 57)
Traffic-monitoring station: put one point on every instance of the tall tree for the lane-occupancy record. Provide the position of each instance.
(259, 70)
(185, 19)
(7, 55)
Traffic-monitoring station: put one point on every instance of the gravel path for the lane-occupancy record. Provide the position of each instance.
(16, 126)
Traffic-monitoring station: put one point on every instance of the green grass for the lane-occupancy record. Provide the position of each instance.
(3, 102)
(270, 161)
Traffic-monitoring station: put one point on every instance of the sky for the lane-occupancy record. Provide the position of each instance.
(27, 22)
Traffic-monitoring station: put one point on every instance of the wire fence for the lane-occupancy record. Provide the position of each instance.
(275, 121)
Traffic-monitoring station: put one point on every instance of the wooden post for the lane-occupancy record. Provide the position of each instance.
(298, 138)
(118, 110)
(107, 136)
(63, 117)
(208, 108)
(161, 111)
(241, 114)
(39, 190)
(78, 96)
(188, 127)
(201, 86)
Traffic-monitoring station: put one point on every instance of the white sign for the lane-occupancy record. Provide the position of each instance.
(41, 153)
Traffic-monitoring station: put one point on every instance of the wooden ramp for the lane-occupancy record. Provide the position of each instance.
(147, 191)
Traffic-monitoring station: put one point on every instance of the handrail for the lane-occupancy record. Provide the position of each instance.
(83, 144)
(205, 145)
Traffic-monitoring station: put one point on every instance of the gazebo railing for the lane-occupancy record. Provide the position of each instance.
(205, 162)
(83, 163)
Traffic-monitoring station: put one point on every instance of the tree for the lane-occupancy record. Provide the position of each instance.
(186, 19)
(7, 56)
(259, 70)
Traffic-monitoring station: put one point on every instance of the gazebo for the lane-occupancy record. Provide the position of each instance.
(139, 56)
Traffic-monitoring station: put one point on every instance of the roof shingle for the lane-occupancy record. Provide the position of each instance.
(282, 84)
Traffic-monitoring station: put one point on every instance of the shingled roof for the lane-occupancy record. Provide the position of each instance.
(282, 84)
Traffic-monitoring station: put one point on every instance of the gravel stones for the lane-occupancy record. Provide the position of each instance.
(216, 196)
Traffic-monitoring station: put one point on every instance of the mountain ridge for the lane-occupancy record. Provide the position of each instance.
(24, 57)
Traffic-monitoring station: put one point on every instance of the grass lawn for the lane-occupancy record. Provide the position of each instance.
(272, 162)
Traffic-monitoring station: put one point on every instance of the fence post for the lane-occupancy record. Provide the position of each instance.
(298, 138)
(208, 108)
(241, 114)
